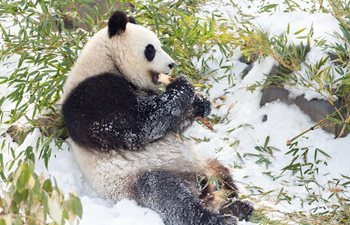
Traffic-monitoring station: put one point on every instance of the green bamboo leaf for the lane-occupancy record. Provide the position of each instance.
(25, 173)
(2, 222)
(74, 205)
(268, 7)
(47, 186)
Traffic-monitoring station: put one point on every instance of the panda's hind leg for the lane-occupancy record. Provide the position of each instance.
(219, 191)
(165, 193)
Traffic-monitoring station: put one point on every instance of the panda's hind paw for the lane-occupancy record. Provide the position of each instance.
(230, 220)
(243, 210)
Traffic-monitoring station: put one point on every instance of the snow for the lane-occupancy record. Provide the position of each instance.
(323, 25)
(123, 212)
(233, 140)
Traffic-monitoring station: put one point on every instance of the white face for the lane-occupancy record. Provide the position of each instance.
(138, 55)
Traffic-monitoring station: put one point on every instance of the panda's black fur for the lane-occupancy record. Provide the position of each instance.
(112, 120)
(167, 194)
(107, 112)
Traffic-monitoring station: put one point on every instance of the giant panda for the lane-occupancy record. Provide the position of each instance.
(123, 130)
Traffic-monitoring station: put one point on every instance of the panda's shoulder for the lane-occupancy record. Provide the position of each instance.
(102, 89)
(106, 81)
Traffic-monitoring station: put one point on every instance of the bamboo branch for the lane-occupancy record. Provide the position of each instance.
(290, 141)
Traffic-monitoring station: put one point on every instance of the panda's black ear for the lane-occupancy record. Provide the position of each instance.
(117, 23)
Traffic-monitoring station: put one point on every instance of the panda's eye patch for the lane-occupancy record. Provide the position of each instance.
(150, 52)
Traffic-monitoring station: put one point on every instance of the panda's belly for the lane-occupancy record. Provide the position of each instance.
(113, 174)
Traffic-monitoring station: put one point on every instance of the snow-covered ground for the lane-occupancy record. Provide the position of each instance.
(233, 141)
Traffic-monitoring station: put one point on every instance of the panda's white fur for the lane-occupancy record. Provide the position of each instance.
(110, 174)
(123, 54)
(170, 188)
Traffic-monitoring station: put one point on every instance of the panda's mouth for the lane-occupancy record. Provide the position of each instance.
(155, 78)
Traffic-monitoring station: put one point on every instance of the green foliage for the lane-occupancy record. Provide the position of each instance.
(340, 53)
(253, 42)
(301, 163)
(305, 165)
(31, 199)
(44, 58)
(264, 154)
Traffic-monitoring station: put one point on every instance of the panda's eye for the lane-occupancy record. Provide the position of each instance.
(150, 52)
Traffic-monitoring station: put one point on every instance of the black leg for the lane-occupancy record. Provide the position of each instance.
(172, 200)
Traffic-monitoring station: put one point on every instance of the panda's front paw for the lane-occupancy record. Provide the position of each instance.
(201, 106)
(181, 84)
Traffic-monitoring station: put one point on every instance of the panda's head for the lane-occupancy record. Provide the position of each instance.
(137, 52)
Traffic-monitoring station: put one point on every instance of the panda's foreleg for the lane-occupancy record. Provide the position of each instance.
(158, 115)
(166, 194)
(149, 117)
(200, 108)
(172, 111)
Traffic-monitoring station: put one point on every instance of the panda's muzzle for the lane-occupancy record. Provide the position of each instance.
(155, 78)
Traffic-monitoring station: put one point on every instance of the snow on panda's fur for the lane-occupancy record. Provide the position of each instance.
(122, 129)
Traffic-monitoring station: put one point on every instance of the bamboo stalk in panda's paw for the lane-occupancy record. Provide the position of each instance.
(166, 79)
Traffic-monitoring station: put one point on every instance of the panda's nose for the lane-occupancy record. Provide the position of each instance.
(171, 65)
